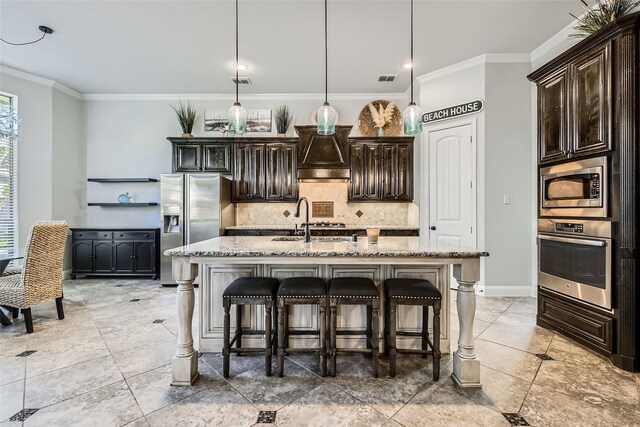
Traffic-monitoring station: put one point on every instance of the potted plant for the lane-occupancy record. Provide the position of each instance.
(283, 120)
(186, 114)
(605, 12)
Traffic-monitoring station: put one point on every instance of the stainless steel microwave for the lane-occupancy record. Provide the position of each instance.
(575, 189)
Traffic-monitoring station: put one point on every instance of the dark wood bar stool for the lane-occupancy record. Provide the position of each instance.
(412, 292)
(301, 290)
(355, 291)
(249, 291)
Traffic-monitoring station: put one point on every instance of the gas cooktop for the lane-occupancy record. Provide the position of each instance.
(323, 224)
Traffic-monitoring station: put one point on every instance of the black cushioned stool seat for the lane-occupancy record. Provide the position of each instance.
(301, 290)
(249, 291)
(412, 292)
(357, 291)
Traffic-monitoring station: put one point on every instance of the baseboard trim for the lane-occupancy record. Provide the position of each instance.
(507, 291)
(66, 274)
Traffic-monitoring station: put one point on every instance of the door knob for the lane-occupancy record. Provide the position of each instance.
(432, 227)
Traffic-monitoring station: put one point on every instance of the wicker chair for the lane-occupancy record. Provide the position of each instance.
(41, 277)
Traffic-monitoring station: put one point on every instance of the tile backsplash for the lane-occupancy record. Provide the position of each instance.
(397, 214)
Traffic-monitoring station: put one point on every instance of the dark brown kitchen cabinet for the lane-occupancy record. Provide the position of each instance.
(396, 168)
(281, 172)
(574, 107)
(381, 169)
(602, 104)
(591, 109)
(201, 155)
(365, 175)
(249, 175)
(265, 172)
(552, 120)
(130, 252)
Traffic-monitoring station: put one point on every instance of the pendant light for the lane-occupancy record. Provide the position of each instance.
(412, 116)
(327, 115)
(237, 115)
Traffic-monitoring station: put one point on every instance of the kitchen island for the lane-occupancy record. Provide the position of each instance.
(221, 260)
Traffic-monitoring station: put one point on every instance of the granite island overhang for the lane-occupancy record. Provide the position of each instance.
(223, 259)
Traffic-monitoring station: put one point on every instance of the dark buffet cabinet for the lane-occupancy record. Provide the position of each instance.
(381, 169)
(114, 252)
(589, 104)
(201, 155)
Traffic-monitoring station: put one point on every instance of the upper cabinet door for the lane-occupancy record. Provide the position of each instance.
(388, 171)
(186, 157)
(217, 158)
(404, 170)
(591, 109)
(273, 172)
(552, 116)
(289, 171)
(365, 172)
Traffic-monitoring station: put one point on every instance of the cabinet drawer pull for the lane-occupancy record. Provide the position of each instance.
(146, 235)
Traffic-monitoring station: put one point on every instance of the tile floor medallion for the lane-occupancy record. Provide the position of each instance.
(108, 363)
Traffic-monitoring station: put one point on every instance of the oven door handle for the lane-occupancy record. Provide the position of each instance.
(585, 242)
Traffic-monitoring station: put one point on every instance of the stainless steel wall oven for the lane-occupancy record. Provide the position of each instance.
(574, 258)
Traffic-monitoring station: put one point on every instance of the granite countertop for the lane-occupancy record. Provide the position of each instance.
(348, 227)
(251, 246)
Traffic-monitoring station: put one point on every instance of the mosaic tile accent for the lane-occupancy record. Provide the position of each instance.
(267, 417)
(543, 356)
(367, 214)
(23, 414)
(286, 213)
(515, 419)
(26, 353)
(158, 321)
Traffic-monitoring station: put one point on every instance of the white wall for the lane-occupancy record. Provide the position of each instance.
(51, 154)
(34, 151)
(68, 163)
(507, 166)
(127, 138)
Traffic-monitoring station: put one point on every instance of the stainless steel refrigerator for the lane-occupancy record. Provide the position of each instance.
(194, 207)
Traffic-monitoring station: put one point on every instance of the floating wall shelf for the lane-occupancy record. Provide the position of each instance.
(122, 180)
(123, 205)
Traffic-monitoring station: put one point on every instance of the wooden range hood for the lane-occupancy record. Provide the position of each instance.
(323, 157)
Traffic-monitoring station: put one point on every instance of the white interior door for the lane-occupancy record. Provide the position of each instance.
(452, 185)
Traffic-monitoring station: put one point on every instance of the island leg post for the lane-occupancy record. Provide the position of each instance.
(466, 367)
(185, 361)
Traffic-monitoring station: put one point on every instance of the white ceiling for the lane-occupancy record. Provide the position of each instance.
(187, 47)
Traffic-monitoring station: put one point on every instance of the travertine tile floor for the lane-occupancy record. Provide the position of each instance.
(108, 363)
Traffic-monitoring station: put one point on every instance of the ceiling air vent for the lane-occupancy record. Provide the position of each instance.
(387, 77)
(241, 80)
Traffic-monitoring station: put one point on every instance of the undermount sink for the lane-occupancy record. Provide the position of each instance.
(314, 239)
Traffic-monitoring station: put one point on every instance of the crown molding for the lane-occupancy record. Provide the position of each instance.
(555, 41)
(40, 80)
(475, 61)
(65, 89)
(245, 97)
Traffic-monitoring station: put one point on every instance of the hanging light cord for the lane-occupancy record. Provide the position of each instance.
(326, 57)
(413, 64)
(237, 79)
(45, 31)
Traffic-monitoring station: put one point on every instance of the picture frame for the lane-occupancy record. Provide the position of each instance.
(258, 120)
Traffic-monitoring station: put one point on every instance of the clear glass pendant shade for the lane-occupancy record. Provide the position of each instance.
(412, 118)
(237, 119)
(327, 117)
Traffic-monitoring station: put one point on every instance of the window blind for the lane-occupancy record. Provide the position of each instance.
(8, 176)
